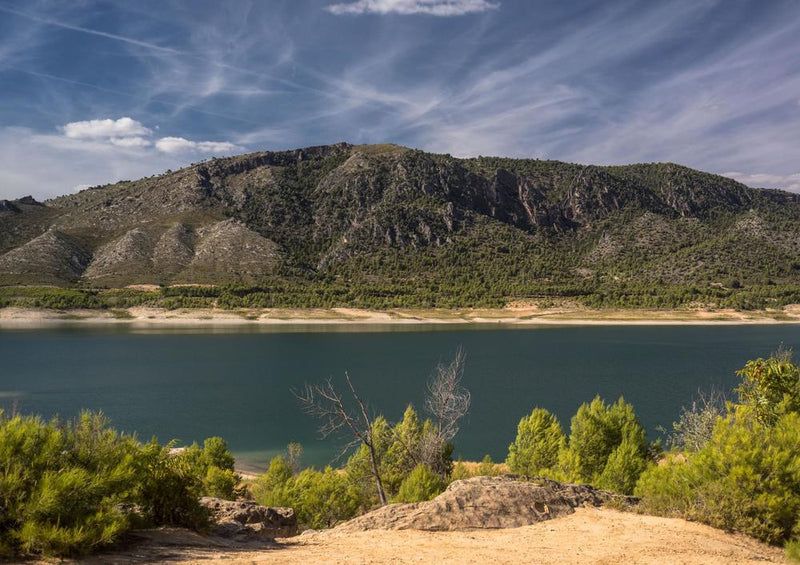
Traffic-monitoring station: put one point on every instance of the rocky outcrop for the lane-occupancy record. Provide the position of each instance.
(8, 206)
(484, 503)
(29, 201)
(52, 257)
(174, 250)
(247, 519)
(129, 255)
(229, 250)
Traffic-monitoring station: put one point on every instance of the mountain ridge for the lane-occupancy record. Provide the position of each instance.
(390, 215)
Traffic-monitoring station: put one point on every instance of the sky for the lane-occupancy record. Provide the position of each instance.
(93, 92)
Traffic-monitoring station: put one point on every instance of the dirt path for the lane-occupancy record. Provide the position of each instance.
(590, 536)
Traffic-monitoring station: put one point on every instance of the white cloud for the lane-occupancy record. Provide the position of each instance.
(130, 134)
(106, 128)
(408, 7)
(766, 180)
(51, 165)
(130, 142)
(182, 145)
(48, 165)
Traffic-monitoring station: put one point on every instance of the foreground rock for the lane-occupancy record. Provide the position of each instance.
(485, 503)
(247, 519)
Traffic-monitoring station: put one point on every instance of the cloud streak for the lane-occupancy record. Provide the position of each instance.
(765, 180)
(51, 22)
(182, 145)
(441, 8)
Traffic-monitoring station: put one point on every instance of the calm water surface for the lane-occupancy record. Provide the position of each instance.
(191, 384)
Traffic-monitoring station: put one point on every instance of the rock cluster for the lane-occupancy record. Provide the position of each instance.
(244, 519)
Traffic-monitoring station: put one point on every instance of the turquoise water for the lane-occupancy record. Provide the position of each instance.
(190, 384)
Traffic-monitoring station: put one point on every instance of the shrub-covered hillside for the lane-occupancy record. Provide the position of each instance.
(386, 225)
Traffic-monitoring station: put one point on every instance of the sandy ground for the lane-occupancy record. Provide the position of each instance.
(590, 536)
(512, 316)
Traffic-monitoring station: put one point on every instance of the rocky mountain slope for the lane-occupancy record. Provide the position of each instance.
(387, 216)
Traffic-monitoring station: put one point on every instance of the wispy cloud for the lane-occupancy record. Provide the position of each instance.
(181, 145)
(443, 8)
(766, 180)
(82, 29)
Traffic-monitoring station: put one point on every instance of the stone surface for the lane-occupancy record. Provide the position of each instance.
(242, 518)
(484, 503)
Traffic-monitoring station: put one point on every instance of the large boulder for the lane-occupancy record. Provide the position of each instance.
(485, 503)
(244, 518)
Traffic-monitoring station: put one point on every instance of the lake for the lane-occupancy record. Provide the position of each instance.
(237, 383)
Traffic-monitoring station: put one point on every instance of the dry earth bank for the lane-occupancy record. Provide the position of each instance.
(519, 316)
(589, 536)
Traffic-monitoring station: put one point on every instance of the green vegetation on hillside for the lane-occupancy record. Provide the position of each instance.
(377, 296)
(385, 226)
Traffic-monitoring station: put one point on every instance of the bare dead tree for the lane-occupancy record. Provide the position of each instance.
(696, 424)
(447, 401)
(325, 403)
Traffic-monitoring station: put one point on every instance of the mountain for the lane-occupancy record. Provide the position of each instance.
(387, 219)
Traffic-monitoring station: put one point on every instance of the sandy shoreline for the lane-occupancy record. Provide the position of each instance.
(17, 318)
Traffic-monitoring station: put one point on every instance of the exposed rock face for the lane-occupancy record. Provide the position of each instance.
(29, 201)
(174, 250)
(229, 249)
(53, 257)
(248, 519)
(484, 503)
(132, 253)
(8, 206)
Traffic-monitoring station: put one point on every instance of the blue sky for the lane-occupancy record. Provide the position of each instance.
(97, 91)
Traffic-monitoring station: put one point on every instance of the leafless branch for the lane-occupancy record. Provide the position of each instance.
(324, 402)
(447, 401)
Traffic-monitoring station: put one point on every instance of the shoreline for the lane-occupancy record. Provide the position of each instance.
(22, 318)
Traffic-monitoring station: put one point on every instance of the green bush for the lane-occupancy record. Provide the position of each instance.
(747, 476)
(320, 499)
(623, 468)
(487, 467)
(770, 388)
(421, 485)
(269, 489)
(61, 484)
(69, 488)
(597, 430)
(399, 450)
(535, 449)
(169, 488)
(214, 464)
(220, 483)
(323, 499)
(792, 550)
(217, 454)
